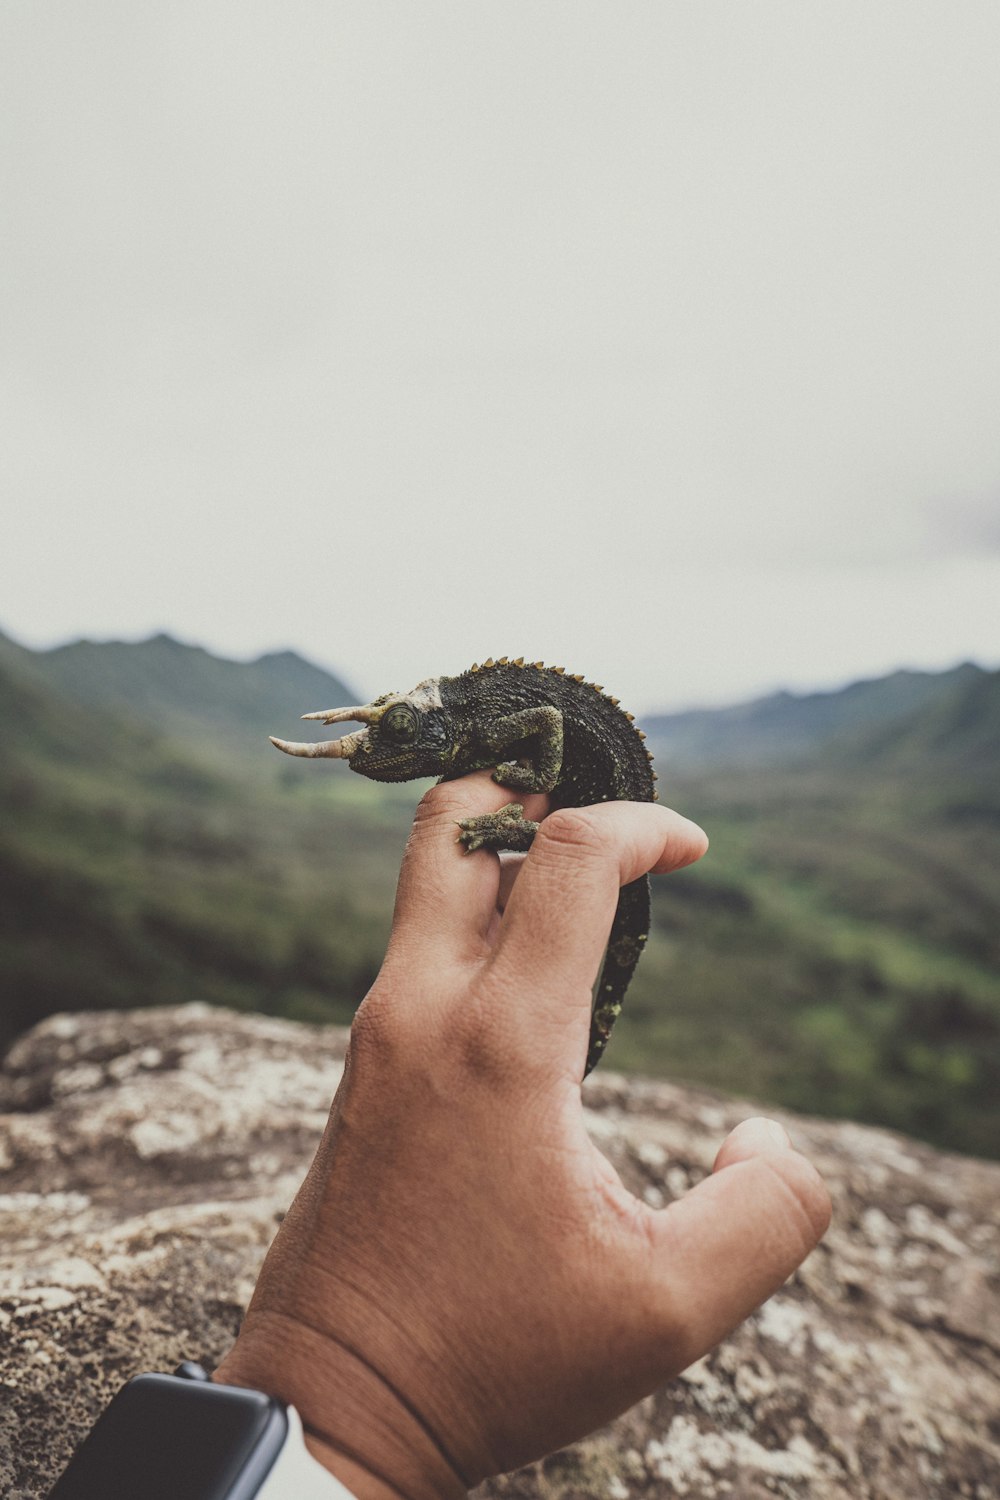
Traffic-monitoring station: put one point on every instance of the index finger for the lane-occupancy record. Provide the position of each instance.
(446, 898)
(556, 923)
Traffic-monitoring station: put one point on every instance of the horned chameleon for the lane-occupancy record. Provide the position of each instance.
(541, 729)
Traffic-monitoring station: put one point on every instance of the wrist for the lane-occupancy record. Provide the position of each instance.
(355, 1423)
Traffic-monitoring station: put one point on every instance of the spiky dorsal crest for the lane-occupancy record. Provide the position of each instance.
(539, 666)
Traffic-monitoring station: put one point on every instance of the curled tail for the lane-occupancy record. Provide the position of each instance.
(629, 931)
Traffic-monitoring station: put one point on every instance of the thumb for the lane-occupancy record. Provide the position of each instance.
(727, 1245)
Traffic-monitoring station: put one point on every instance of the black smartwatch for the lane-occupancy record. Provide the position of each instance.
(182, 1437)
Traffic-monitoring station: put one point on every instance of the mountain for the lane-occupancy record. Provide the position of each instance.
(196, 697)
(187, 692)
(787, 727)
(141, 852)
(956, 730)
(42, 727)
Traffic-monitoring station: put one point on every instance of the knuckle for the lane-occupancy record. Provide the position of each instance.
(402, 1020)
(477, 1041)
(373, 1067)
(443, 800)
(805, 1196)
(479, 1057)
(675, 1318)
(486, 1042)
(574, 829)
(376, 1033)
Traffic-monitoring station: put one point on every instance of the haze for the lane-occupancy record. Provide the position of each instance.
(659, 340)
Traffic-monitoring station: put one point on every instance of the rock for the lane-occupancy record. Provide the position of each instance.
(147, 1157)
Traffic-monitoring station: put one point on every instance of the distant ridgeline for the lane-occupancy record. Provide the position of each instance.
(838, 951)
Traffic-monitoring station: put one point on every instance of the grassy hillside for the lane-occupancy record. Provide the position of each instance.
(838, 951)
(788, 727)
(186, 693)
(132, 871)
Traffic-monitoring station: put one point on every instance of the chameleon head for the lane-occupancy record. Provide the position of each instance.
(404, 735)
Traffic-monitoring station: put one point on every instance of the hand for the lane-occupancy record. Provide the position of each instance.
(463, 1283)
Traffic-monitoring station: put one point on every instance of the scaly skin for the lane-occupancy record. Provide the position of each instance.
(542, 730)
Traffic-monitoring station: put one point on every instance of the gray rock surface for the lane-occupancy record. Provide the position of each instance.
(146, 1158)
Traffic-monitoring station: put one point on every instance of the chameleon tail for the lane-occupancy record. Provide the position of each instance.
(629, 931)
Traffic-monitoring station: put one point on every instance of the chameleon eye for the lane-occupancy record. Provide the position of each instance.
(400, 722)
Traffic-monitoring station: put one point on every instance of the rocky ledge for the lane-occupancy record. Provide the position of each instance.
(146, 1157)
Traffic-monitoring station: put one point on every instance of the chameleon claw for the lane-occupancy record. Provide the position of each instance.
(504, 829)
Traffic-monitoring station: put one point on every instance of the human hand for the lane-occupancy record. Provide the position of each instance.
(463, 1282)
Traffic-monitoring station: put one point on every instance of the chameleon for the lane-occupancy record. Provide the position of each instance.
(541, 729)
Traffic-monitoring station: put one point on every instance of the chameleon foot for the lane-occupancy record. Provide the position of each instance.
(517, 778)
(506, 829)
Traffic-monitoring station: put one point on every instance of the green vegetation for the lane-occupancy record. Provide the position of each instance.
(837, 952)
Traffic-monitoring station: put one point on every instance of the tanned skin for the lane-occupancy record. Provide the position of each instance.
(464, 1282)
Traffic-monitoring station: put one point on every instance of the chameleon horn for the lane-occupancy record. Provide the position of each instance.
(330, 749)
(364, 714)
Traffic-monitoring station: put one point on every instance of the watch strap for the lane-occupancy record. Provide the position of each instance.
(296, 1475)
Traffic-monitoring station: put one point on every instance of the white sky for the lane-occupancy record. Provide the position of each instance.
(661, 340)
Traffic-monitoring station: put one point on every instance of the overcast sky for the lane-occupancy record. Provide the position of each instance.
(661, 340)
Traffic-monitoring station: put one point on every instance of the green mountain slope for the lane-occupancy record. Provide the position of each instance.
(192, 695)
(133, 871)
(954, 736)
(838, 950)
(788, 726)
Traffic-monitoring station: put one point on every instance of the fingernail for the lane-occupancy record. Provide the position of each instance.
(762, 1133)
(693, 828)
(777, 1133)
